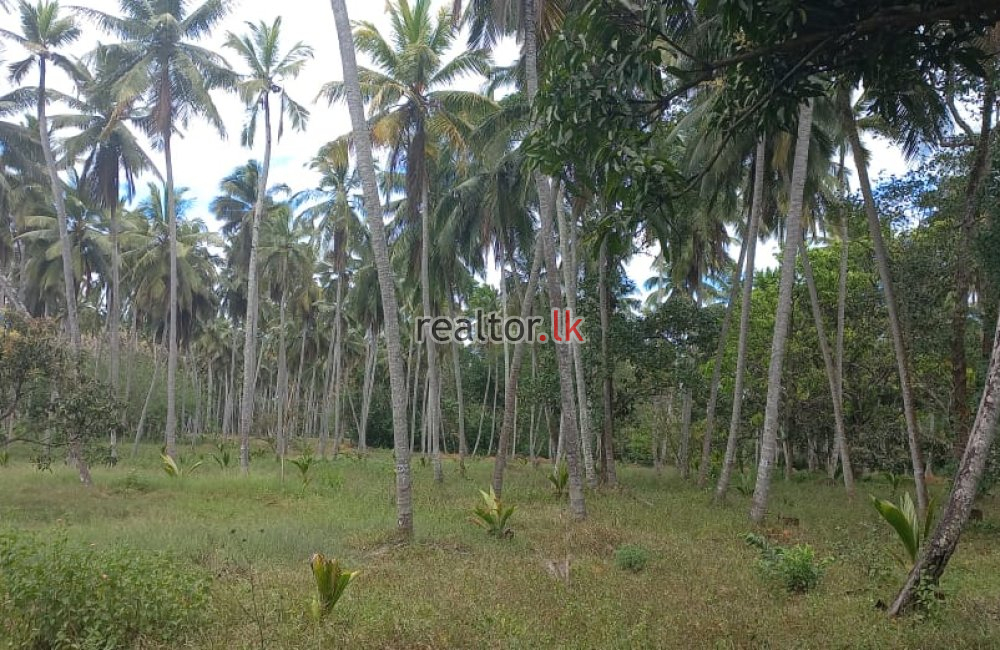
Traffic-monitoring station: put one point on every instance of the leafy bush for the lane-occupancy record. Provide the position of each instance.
(904, 520)
(54, 595)
(631, 557)
(559, 479)
(225, 457)
(796, 568)
(493, 516)
(331, 581)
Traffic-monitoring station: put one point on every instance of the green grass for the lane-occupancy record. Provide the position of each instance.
(457, 587)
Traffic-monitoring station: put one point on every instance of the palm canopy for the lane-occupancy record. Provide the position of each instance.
(159, 64)
(112, 155)
(260, 50)
(148, 265)
(43, 32)
(409, 93)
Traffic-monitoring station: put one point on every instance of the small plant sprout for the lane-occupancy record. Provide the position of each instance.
(304, 464)
(331, 582)
(796, 568)
(174, 470)
(492, 516)
(559, 478)
(904, 520)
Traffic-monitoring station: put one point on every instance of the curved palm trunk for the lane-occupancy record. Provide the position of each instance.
(713, 394)
(510, 384)
(380, 252)
(944, 540)
(840, 439)
(973, 197)
(337, 374)
(885, 275)
(793, 234)
(65, 246)
(250, 341)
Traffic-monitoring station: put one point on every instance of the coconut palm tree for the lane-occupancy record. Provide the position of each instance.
(413, 110)
(43, 32)
(782, 319)
(362, 140)
(112, 158)
(260, 50)
(159, 65)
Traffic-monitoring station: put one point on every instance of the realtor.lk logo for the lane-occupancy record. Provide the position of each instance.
(495, 328)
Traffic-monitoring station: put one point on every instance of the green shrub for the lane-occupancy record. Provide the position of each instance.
(631, 557)
(795, 568)
(56, 595)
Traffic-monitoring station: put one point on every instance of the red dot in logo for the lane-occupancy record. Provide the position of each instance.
(543, 338)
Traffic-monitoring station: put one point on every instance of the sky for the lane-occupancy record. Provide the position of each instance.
(201, 159)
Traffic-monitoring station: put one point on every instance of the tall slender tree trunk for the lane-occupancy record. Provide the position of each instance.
(282, 397)
(380, 251)
(171, 424)
(840, 438)
(683, 451)
(510, 384)
(456, 364)
(369, 384)
(114, 320)
(433, 400)
(713, 393)
(981, 165)
(608, 474)
(482, 411)
(942, 543)
(567, 245)
(543, 186)
(250, 342)
(338, 363)
(841, 320)
(145, 404)
(65, 245)
(793, 234)
(885, 275)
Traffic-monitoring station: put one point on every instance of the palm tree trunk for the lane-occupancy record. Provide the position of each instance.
(249, 365)
(456, 364)
(510, 384)
(171, 423)
(966, 232)
(568, 245)
(841, 319)
(65, 246)
(885, 275)
(380, 251)
(114, 319)
(713, 393)
(944, 540)
(145, 404)
(338, 362)
(482, 411)
(563, 359)
(608, 474)
(793, 233)
(433, 399)
(282, 377)
(369, 385)
(840, 438)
